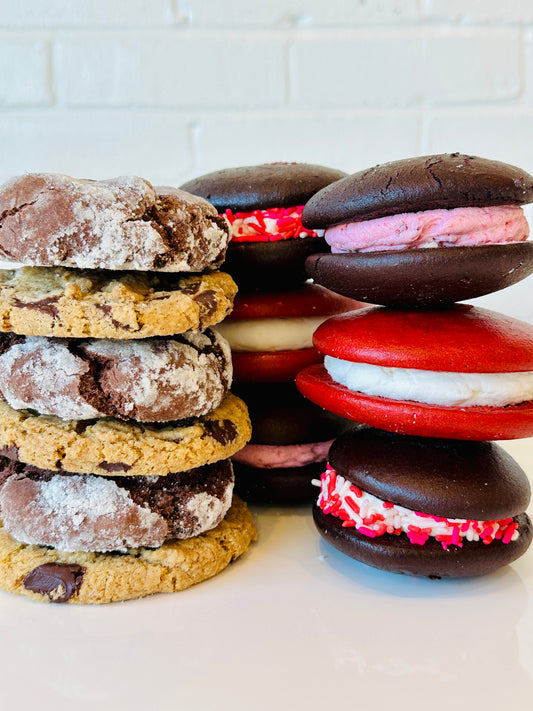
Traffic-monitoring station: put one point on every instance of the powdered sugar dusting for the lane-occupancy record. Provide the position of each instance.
(209, 510)
(44, 375)
(78, 513)
(156, 375)
(122, 223)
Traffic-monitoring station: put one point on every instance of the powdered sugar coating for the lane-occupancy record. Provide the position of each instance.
(44, 375)
(77, 513)
(209, 510)
(124, 223)
(100, 514)
(148, 380)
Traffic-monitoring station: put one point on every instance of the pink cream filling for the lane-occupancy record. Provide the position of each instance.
(269, 456)
(459, 227)
(374, 517)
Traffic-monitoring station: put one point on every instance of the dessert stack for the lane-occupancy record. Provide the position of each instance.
(116, 424)
(426, 493)
(270, 329)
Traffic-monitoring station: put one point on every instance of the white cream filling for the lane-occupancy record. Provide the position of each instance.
(435, 388)
(271, 334)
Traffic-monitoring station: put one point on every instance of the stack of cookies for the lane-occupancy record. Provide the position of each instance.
(270, 329)
(116, 424)
(426, 493)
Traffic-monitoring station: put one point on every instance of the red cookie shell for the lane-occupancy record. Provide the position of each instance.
(272, 367)
(416, 418)
(309, 300)
(460, 338)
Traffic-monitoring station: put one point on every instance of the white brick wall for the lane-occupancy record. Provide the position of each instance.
(172, 88)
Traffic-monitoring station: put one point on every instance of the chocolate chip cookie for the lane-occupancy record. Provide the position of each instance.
(40, 301)
(50, 575)
(108, 446)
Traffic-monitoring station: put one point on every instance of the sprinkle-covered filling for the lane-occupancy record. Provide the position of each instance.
(373, 517)
(271, 225)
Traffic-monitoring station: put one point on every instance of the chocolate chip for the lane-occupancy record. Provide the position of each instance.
(44, 305)
(57, 580)
(207, 301)
(224, 431)
(114, 466)
(11, 451)
(190, 289)
(108, 310)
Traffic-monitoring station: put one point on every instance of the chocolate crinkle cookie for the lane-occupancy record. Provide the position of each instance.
(48, 219)
(71, 512)
(150, 380)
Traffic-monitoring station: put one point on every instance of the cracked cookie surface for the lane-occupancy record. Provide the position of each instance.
(112, 447)
(40, 301)
(48, 220)
(150, 380)
(82, 512)
(50, 575)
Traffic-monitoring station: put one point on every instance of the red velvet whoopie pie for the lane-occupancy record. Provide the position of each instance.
(459, 372)
(270, 333)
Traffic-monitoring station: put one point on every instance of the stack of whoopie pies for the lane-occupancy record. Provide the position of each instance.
(270, 329)
(424, 494)
(116, 424)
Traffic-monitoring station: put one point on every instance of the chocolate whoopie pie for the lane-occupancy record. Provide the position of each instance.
(289, 446)
(430, 507)
(264, 204)
(270, 334)
(459, 372)
(422, 231)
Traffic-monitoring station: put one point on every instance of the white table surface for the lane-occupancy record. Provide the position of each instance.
(292, 625)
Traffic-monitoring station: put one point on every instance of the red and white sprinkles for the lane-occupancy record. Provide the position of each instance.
(270, 225)
(373, 517)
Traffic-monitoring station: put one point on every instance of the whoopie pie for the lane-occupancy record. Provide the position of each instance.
(271, 333)
(459, 372)
(430, 507)
(289, 446)
(264, 204)
(422, 231)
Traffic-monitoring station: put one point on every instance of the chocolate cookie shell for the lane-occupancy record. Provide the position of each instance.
(263, 266)
(281, 416)
(257, 187)
(283, 486)
(397, 554)
(422, 277)
(445, 181)
(74, 512)
(449, 478)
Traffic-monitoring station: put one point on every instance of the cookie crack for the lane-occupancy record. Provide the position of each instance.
(14, 211)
